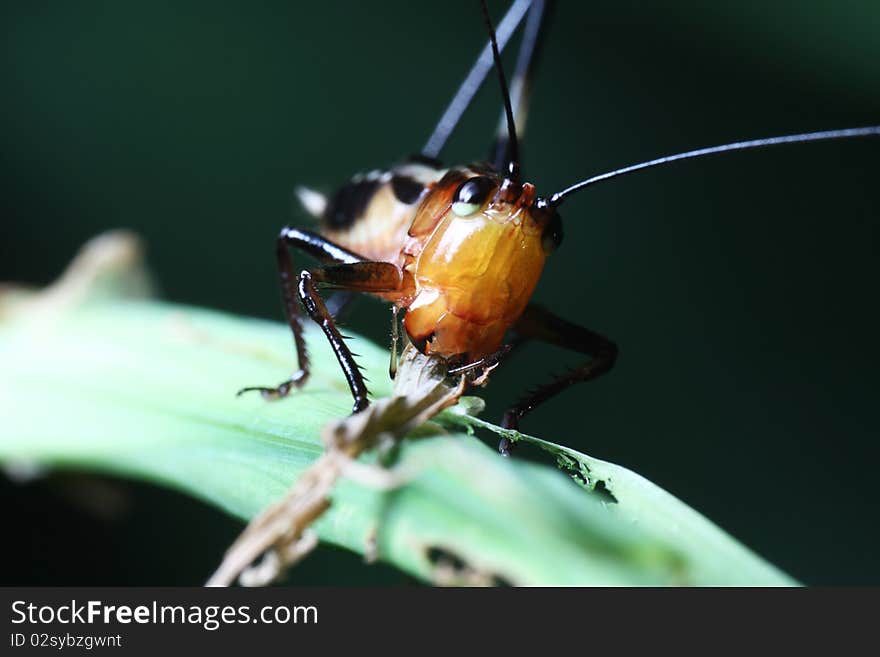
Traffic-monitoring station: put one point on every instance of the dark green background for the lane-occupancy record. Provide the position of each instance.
(741, 290)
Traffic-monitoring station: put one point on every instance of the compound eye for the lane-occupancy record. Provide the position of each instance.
(552, 235)
(471, 195)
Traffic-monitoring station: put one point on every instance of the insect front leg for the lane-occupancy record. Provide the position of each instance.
(539, 324)
(348, 271)
(360, 277)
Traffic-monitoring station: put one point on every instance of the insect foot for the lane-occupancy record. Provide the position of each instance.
(282, 390)
(509, 421)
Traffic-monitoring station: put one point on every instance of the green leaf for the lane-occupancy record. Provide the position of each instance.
(146, 389)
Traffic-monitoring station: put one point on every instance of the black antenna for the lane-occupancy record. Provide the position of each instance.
(847, 133)
(513, 163)
(473, 81)
(521, 82)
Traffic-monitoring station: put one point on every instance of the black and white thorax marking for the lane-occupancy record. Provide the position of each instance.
(371, 213)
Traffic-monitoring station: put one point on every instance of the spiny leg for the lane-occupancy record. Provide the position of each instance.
(349, 272)
(540, 324)
(361, 277)
(322, 250)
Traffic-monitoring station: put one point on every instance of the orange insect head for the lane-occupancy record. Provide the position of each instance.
(480, 249)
